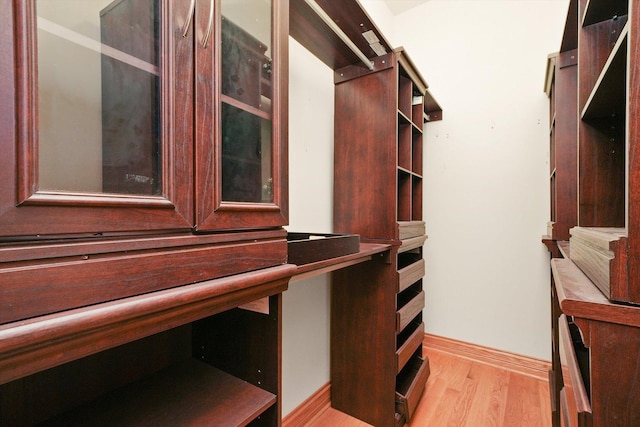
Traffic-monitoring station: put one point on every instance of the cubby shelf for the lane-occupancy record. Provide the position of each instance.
(607, 97)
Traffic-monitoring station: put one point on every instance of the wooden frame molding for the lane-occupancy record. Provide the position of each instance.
(308, 410)
(524, 365)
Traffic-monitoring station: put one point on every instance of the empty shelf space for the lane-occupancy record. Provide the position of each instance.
(607, 97)
(186, 394)
(601, 10)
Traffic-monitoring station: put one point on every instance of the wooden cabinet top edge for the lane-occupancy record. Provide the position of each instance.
(40, 343)
(411, 69)
(315, 35)
(579, 297)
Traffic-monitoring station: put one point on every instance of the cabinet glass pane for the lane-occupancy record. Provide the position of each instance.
(246, 101)
(98, 96)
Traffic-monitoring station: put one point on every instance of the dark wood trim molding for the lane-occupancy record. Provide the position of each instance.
(308, 410)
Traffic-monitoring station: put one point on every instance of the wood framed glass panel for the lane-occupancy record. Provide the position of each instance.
(244, 146)
(102, 92)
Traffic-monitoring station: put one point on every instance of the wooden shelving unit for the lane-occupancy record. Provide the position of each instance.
(191, 386)
(98, 357)
(378, 189)
(594, 331)
(595, 288)
(561, 88)
(382, 104)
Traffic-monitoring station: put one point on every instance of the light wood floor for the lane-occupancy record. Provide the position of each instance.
(461, 393)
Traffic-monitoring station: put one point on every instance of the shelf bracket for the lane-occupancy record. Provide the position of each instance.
(338, 31)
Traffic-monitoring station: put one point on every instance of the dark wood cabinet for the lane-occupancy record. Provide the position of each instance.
(138, 216)
(595, 287)
(603, 243)
(181, 356)
(153, 117)
(378, 185)
(599, 346)
(561, 85)
(153, 122)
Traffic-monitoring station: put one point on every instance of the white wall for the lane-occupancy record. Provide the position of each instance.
(486, 169)
(305, 312)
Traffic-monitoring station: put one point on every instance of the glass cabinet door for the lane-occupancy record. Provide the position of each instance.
(244, 147)
(98, 92)
(129, 116)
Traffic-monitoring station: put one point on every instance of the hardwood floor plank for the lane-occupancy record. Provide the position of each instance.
(462, 392)
(488, 407)
(336, 418)
(460, 413)
(523, 403)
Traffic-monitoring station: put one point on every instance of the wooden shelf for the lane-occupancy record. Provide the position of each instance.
(95, 46)
(608, 95)
(245, 107)
(316, 36)
(432, 110)
(570, 35)
(367, 251)
(601, 10)
(579, 297)
(189, 393)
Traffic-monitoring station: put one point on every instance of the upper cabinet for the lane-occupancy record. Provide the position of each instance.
(122, 116)
(602, 63)
(605, 241)
(561, 86)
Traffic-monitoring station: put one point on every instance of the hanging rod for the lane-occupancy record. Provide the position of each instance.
(338, 31)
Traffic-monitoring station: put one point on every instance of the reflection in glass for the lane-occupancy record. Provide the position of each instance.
(98, 95)
(246, 101)
(246, 156)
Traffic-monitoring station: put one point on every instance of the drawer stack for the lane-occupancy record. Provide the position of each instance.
(411, 368)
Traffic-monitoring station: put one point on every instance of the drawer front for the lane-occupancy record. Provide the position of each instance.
(410, 386)
(410, 310)
(409, 347)
(409, 229)
(410, 274)
(574, 401)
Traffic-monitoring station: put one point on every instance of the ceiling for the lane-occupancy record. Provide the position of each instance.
(399, 6)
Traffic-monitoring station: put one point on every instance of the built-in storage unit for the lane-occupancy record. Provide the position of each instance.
(180, 356)
(143, 194)
(599, 346)
(382, 103)
(143, 190)
(378, 186)
(604, 244)
(561, 85)
(595, 281)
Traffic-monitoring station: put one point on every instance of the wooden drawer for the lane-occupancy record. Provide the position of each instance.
(410, 274)
(574, 401)
(409, 229)
(409, 346)
(408, 311)
(410, 385)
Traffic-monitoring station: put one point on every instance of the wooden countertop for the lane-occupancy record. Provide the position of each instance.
(579, 297)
